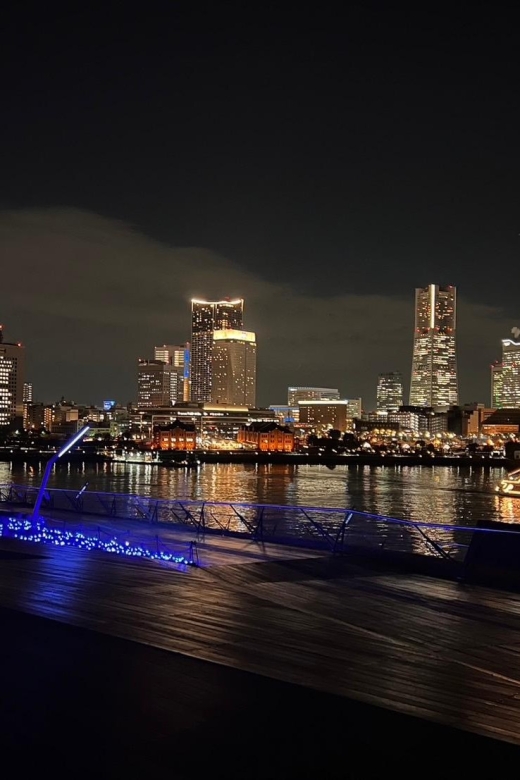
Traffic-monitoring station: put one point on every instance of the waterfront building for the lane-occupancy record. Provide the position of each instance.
(177, 356)
(507, 383)
(207, 317)
(156, 384)
(434, 366)
(295, 394)
(177, 435)
(212, 421)
(233, 368)
(267, 437)
(389, 392)
(339, 414)
(12, 365)
(502, 421)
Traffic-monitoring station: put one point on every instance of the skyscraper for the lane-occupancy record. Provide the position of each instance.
(156, 384)
(234, 367)
(12, 364)
(497, 376)
(177, 356)
(207, 317)
(389, 392)
(509, 392)
(434, 367)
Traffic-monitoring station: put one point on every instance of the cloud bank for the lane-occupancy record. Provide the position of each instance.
(89, 295)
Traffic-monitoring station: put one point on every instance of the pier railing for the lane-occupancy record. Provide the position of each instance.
(337, 530)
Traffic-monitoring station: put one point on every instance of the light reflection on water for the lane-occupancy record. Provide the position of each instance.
(429, 494)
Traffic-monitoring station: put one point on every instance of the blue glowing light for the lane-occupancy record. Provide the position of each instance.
(30, 530)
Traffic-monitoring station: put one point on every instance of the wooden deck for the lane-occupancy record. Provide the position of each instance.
(442, 651)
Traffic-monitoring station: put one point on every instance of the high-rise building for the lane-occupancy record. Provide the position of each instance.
(207, 317)
(177, 356)
(27, 397)
(234, 367)
(497, 377)
(12, 365)
(156, 384)
(295, 394)
(509, 392)
(434, 367)
(389, 392)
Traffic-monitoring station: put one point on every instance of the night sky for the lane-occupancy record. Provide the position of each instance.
(321, 167)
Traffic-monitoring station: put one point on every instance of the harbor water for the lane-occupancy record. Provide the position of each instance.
(430, 494)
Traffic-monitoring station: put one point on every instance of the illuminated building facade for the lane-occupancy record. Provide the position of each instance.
(12, 364)
(497, 377)
(27, 397)
(330, 414)
(508, 385)
(295, 394)
(267, 437)
(233, 372)
(176, 436)
(177, 356)
(389, 392)
(207, 317)
(156, 384)
(434, 366)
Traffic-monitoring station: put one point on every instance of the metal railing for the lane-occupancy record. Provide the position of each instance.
(337, 530)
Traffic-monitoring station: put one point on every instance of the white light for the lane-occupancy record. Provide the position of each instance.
(73, 441)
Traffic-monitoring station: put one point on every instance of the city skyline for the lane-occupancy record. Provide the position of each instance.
(370, 382)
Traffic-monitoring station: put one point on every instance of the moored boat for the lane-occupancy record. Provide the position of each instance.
(510, 485)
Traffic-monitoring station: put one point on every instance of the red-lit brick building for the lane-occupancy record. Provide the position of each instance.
(176, 436)
(267, 437)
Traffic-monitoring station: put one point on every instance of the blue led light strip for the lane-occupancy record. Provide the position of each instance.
(28, 530)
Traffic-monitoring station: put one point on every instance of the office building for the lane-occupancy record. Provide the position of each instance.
(27, 397)
(234, 368)
(12, 366)
(207, 317)
(507, 385)
(177, 356)
(434, 366)
(295, 394)
(338, 414)
(497, 375)
(156, 384)
(389, 392)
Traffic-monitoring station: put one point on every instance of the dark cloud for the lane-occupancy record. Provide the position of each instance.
(89, 295)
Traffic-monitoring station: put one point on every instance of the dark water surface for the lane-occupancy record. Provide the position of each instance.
(430, 494)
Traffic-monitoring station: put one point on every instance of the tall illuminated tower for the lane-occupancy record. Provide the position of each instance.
(509, 385)
(12, 363)
(207, 317)
(434, 366)
(234, 368)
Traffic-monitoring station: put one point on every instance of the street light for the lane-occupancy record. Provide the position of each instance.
(48, 468)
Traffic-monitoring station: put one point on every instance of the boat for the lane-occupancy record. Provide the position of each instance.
(510, 485)
(189, 462)
(137, 457)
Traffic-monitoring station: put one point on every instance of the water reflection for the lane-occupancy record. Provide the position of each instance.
(429, 494)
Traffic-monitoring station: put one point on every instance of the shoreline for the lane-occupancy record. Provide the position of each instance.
(288, 459)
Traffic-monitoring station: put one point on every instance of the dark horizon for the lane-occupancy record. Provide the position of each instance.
(321, 175)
